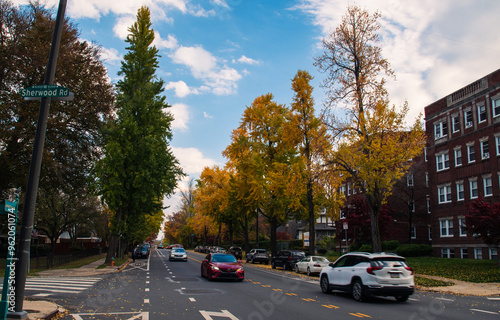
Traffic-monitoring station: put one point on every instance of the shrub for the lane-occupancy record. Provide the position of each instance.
(414, 250)
(366, 248)
(391, 245)
(322, 251)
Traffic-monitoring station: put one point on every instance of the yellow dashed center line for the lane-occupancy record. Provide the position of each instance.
(291, 294)
(360, 315)
(329, 306)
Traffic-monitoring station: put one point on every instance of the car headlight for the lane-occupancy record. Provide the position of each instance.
(240, 269)
(214, 267)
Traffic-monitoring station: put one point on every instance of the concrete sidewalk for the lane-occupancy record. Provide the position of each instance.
(39, 309)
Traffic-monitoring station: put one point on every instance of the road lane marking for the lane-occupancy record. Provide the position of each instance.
(484, 311)
(135, 315)
(266, 285)
(493, 298)
(360, 315)
(147, 282)
(329, 306)
(308, 299)
(224, 314)
(192, 299)
(277, 289)
(147, 289)
(146, 300)
(445, 299)
(291, 294)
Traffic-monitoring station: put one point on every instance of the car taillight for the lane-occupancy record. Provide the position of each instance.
(371, 269)
(289, 258)
(409, 269)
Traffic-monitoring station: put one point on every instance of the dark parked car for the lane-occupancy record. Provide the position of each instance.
(287, 259)
(222, 266)
(142, 252)
(236, 252)
(258, 255)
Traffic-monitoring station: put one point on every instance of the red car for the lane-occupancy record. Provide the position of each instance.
(222, 266)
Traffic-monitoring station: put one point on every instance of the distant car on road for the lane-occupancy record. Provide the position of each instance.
(178, 254)
(258, 255)
(364, 274)
(286, 259)
(142, 252)
(222, 266)
(311, 264)
(160, 246)
(236, 252)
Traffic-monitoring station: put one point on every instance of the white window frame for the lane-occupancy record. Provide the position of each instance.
(497, 144)
(409, 180)
(470, 154)
(446, 225)
(481, 111)
(493, 253)
(455, 123)
(460, 191)
(464, 253)
(468, 119)
(440, 130)
(443, 160)
(495, 106)
(458, 155)
(485, 149)
(488, 186)
(478, 253)
(462, 231)
(428, 206)
(447, 253)
(473, 188)
(444, 194)
(429, 232)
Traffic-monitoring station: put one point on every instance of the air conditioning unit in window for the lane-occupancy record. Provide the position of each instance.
(468, 124)
(486, 155)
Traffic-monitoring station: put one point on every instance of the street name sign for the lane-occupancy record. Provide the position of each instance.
(46, 91)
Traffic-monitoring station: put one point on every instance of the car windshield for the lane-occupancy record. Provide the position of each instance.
(299, 254)
(223, 258)
(179, 250)
(320, 259)
(260, 251)
(388, 262)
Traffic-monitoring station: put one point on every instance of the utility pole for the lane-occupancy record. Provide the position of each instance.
(23, 251)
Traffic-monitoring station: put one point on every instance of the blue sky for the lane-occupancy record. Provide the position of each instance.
(219, 55)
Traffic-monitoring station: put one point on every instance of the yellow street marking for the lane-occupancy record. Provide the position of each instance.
(257, 282)
(266, 285)
(277, 289)
(308, 299)
(291, 294)
(360, 315)
(329, 306)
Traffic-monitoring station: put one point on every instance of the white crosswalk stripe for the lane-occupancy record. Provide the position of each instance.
(47, 286)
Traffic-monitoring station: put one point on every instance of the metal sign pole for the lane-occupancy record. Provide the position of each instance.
(34, 173)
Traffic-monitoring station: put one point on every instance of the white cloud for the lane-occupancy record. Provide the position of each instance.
(192, 160)
(246, 60)
(121, 27)
(434, 47)
(203, 65)
(111, 55)
(207, 115)
(180, 112)
(169, 43)
(181, 88)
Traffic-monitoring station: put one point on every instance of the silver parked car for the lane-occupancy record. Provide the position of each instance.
(311, 264)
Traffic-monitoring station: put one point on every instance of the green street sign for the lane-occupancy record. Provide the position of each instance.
(46, 91)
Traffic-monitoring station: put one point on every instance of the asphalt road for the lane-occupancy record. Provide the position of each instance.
(160, 289)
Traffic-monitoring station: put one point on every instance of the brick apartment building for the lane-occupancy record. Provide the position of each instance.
(462, 156)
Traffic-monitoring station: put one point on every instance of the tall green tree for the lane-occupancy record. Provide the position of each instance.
(373, 141)
(138, 169)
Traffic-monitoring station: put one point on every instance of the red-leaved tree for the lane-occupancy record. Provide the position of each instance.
(483, 220)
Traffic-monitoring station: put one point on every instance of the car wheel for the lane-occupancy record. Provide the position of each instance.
(357, 290)
(325, 284)
(253, 261)
(402, 298)
(308, 271)
(202, 273)
(209, 275)
(297, 269)
(273, 265)
(267, 262)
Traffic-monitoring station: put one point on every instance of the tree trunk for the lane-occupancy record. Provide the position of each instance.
(312, 220)
(112, 247)
(274, 225)
(375, 225)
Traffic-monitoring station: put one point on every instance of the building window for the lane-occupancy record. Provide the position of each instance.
(446, 228)
(462, 231)
(425, 154)
(456, 123)
(464, 253)
(495, 103)
(488, 187)
(409, 179)
(427, 179)
(442, 161)
(440, 130)
(497, 144)
(471, 153)
(413, 232)
(458, 157)
(481, 113)
(428, 205)
(348, 189)
(460, 191)
(447, 253)
(468, 118)
(493, 254)
(429, 231)
(478, 253)
(485, 149)
(411, 206)
(342, 189)
(473, 189)
(444, 194)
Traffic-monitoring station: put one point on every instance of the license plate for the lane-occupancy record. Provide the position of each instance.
(394, 275)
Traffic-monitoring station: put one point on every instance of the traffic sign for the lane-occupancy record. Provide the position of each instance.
(46, 91)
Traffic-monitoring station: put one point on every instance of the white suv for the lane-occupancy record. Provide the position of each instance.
(364, 274)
